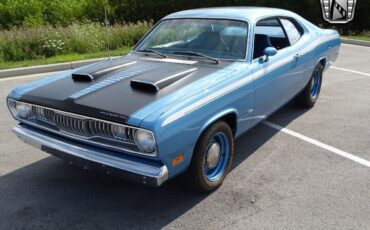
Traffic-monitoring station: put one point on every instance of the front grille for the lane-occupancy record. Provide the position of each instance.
(72, 125)
(110, 131)
(92, 128)
(105, 134)
(83, 126)
(43, 114)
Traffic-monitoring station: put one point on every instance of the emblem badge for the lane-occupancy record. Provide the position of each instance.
(338, 11)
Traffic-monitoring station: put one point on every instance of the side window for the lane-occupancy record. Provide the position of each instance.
(292, 31)
(270, 27)
(269, 33)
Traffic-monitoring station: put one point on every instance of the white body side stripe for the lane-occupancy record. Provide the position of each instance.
(241, 82)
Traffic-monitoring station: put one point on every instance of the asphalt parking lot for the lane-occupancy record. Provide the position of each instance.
(313, 174)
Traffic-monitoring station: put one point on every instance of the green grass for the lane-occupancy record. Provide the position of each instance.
(64, 58)
(358, 37)
(31, 43)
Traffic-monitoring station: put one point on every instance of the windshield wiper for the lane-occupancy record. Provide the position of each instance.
(154, 52)
(199, 55)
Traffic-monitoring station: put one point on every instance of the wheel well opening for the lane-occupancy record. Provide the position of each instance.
(230, 119)
(323, 62)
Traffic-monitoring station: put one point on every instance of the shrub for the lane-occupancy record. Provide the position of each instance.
(52, 45)
(84, 38)
(19, 44)
(66, 12)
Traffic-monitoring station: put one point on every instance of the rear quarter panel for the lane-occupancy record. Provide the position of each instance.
(320, 45)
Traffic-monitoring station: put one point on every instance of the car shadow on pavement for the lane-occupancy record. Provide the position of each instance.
(252, 140)
(53, 195)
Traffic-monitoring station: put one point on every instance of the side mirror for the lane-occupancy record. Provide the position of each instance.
(269, 52)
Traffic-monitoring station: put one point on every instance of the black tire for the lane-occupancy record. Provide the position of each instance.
(196, 173)
(308, 97)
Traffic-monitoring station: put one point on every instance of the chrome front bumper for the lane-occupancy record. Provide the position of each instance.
(94, 158)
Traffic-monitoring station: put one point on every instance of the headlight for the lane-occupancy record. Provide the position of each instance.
(145, 140)
(20, 110)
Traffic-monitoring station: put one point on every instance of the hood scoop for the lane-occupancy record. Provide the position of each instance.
(152, 84)
(92, 73)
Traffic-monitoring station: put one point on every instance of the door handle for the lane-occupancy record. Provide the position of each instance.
(296, 57)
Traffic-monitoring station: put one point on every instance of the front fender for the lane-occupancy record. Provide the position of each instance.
(178, 125)
(180, 136)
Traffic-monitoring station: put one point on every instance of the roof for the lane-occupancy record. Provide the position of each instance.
(239, 13)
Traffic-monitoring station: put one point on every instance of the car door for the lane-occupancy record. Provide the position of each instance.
(275, 79)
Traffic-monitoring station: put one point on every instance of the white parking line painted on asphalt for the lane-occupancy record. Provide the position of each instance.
(351, 71)
(319, 144)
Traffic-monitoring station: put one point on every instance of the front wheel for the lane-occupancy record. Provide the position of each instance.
(212, 158)
(311, 92)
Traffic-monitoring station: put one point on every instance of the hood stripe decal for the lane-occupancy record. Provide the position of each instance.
(19, 92)
(171, 60)
(114, 79)
(154, 86)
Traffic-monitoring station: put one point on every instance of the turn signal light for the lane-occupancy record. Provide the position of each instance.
(180, 158)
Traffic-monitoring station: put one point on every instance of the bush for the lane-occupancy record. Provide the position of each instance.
(19, 44)
(66, 12)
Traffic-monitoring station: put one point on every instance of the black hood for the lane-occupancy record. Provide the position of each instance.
(115, 89)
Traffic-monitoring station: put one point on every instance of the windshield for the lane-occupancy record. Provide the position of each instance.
(216, 38)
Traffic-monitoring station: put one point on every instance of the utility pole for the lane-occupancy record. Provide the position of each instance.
(107, 31)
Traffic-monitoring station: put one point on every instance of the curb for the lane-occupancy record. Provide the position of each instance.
(355, 42)
(46, 68)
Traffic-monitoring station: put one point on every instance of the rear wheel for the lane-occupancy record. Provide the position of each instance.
(212, 158)
(311, 92)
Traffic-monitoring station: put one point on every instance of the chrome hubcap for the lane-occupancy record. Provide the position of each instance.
(217, 157)
(213, 155)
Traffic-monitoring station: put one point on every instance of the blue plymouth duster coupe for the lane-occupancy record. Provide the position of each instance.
(173, 105)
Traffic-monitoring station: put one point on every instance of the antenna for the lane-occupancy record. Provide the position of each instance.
(107, 31)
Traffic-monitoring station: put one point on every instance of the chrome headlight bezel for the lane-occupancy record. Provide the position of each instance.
(20, 110)
(37, 116)
(145, 140)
